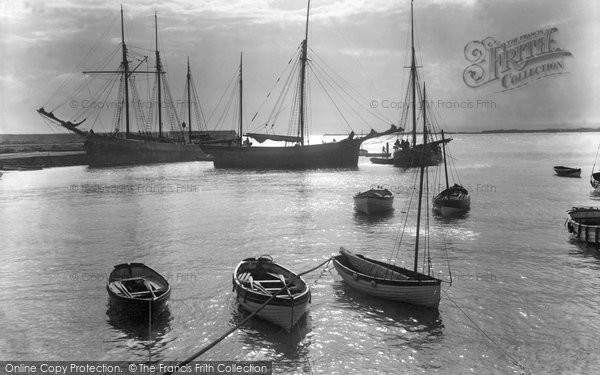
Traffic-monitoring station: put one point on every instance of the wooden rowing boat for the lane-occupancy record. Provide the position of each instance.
(584, 224)
(138, 290)
(567, 171)
(374, 201)
(387, 281)
(256, 280)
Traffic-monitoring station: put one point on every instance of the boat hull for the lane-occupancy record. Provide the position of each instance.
(374, 201)
(283, 310)
(342, 154)
(415, 157)
(103, 151)
(417, 289)
(388, 161)
(142, 307)
(451, 205)
(567, 171)
(584, 224)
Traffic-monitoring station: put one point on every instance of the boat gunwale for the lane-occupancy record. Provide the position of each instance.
(413, 281)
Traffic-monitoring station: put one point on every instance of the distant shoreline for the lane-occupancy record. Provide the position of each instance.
(506, 131)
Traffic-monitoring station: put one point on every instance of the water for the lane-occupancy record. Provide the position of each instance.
(517, 274)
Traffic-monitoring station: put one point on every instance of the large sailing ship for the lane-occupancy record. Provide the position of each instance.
(144, 145)
(297, 152)
(411, 154)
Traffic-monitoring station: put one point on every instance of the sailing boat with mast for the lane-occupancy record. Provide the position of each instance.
(410, 154)
(595, 176)
(297, 153)
(454, 199)
(388, 281)
(129, 147)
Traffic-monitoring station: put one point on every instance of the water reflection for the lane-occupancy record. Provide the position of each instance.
(411, 318)
(146, 339)
(362, 219)
(270, 341)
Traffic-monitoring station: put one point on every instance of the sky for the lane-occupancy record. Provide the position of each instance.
(42, 43)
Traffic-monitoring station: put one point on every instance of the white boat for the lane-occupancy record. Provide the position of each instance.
(387, 281)
(256, 280)
(374, 201)
(584, 224)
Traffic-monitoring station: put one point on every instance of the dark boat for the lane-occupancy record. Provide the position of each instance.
(454, 199)
(412, 154)
(143, 146)
(374, 201)
(567, 171)
(297, 153)
(256, 280)
(137, 290)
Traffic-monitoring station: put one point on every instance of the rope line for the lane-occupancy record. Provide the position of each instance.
(229, 332)
(514, 361)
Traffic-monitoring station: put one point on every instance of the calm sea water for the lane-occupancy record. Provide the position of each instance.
(517, 275)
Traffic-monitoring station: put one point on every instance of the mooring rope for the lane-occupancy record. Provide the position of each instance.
(514, 361)
(229, 332)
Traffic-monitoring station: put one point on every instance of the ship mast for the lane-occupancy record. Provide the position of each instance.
(413, 75)
(158, 73)
(423, 155)
(303, 77)
(125, 74)
(445, 164)
(241, 122)
(189, 103)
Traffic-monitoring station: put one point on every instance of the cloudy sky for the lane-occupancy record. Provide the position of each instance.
(365, 42)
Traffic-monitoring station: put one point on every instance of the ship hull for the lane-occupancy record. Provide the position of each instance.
(343, 154)
(413, 158)
(103, 151)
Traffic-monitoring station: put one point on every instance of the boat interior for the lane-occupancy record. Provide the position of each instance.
(270, 282)
(137, 287)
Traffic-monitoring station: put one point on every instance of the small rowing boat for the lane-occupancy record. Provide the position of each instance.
(138, 290)
(374, 201)
(256, 280)
(584, 224)
(567, 171)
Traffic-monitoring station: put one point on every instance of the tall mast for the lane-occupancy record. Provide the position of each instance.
(241, 122)
(125, 74)
(158, 72)
(303, 76)
(445, 165)
(413, 75)
(189, 103)
(422, 161)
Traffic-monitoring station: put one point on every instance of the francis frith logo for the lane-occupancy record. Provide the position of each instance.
(516, 62)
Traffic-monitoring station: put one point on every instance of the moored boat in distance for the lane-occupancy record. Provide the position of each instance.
(567, 171)
(126, 145)
(411, 154)
(137, 290)
(387, 281)
(296, 153)
(584, 224)
(453, 200)
(258, 280)
(374, 201)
